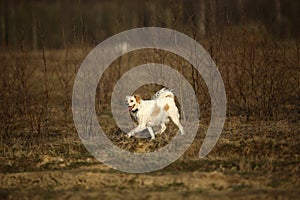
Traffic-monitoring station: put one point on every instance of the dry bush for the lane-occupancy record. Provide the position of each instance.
(34, 105)
(261, 75)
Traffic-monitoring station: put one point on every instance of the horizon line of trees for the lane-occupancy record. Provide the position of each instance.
(56, 24)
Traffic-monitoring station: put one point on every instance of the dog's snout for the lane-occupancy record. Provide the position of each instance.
(126, 100)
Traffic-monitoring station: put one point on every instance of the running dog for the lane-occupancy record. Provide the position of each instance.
(155, 112)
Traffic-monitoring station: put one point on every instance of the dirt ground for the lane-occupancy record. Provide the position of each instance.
(100, 182)
(252, 160)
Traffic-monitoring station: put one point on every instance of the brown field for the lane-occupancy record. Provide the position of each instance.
(257, 159)
(257, 155)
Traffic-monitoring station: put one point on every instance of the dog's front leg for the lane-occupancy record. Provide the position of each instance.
(151, 132)
(137, 129)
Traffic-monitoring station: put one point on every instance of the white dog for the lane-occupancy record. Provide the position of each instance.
(155, 112)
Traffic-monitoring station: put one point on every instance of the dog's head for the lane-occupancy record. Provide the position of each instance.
(133, 102)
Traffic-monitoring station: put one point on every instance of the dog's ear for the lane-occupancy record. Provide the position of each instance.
(137, 98)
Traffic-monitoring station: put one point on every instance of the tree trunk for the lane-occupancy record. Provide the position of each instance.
(34, 30)
(168, 17)
(211, 16)
(278, 11)
(4, 23)
(240, 7)
(200, 17)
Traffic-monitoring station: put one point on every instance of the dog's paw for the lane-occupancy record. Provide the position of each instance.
(157, 132)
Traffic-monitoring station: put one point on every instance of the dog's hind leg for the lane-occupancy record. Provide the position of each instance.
(175, 118)
(163, 128)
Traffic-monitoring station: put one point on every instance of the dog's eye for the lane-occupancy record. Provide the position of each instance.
(131, 101)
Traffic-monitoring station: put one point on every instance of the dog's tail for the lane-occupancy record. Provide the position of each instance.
(163, 93)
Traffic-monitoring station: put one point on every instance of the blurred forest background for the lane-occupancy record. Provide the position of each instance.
(56, 24)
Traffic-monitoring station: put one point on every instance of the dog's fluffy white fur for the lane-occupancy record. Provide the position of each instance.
(155, 112)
